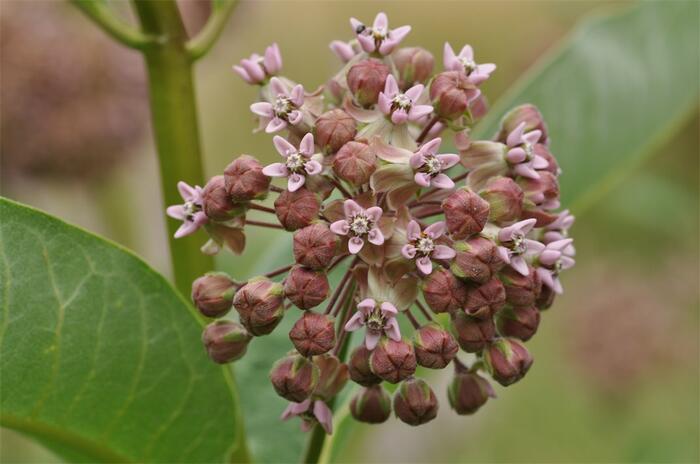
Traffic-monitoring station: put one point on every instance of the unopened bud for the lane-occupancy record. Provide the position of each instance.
(315, 246)
(259, 305)
(507, 360)
(333, 375)
(435, 347)
(443, 292)
(543, 192)
(305, 287)
(524, 113)
(355, 162)
(366, 79)
(521, 290)
(297, 209)
(212, 294)
(392, 360)
(225, 341)
(415, 402)
(414, 64)
(477, 260)
(505, 199)
(472, 334)
(244, 179)
(294, 377)
(451, 93)
(359, 368)
(468, 392)
(371, 405)
(519, 322)
(333, 129)
(313, 334)
(546, 298)
(216, 202)
(486, 299)
(465, 213)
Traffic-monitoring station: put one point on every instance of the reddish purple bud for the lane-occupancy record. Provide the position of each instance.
(451, 93)
(333, 375)
(305, 287)
(313, 334)
(527, 113)
(465, 213)
(244, 179)
(519, 322)
(414, 64)
(472, 334)
(216, 202)
(355, 162)
(443, 292)
(393, 361)
(366, 79)
(212, 294)
(486, 299)
(415, 402)
(371, 405)
(297, 209)
(521, 290)
(435, 347)
(334, 129)
(225, 341)
(468, 392)
(477, 260)
(294, 377)
(505, 199)
(359, 368)
(546, 298)
(543, 218)
(507, 360)
(259, 305)
(315, 246)
(542, 192)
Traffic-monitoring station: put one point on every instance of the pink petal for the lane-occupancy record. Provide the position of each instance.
(187, 228)
(448, 160)
(340, 227)
(243, 73)
(388, 45)
(546, 277)
(324, 416)
(306, 147)
(313, 167)
(275, 125)
(558, 289)
(297, 95)
(467, 52)
(533, 246)
(515, 138)
(567, 262)
(276, 170)
(388, 309)
(273, 59)
(549, 257)
(277, 88)
(424, 265)
(422, 179)
(416, 160)
(532, 137)
(283, 146)
(399, 116)
(366, 305)
(413, 230)
(374, 213)
(294, 117)
(560, 244)
(435, 230)
(431, 147)
(516, 155)
(448, 58)
(442, 181)
(295, 182)
(355, 244)
(518, 263)
(186, 192)
(398, 34)
(391, 88)
(380, 21)
(176, 212)
(525, 225)
(375, 236)
(351, 208)
(342, 50)
(538, 162)
(355, 322)
(408, 251)
(355, 23)
(392, 330)
(414, 92)
(254, 70)
(486, 68)
(366, 42)
(371, 340)
(503, 253)
(443, 252)
(418, 111)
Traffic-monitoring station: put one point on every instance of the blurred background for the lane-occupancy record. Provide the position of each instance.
(616, 377)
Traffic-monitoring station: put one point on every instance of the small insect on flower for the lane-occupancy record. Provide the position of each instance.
(378, 37)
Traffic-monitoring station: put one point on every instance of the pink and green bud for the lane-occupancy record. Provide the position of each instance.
(244, 179)
(519, 322)
(392, 360)
(415, 402)
(305, 287)
(313, 334)
(443, 292)
(414, 64)
(212, 294)
(451, 92)
(216, 202)
(355, 162)
(483, 301)
(435, 347)
(472, 334)
(530, 115)
(521, 290)
(505, 200)
(507, 360)
(468, 392)
(259, 305)
(225, 341)
(294, 377)
(371, 405)
(359, 367)
(466, 213)
(315, 246)
(366, 80)
(333, 375)
(546, 298)
(334, 129)
(477, 260)
(297, 209)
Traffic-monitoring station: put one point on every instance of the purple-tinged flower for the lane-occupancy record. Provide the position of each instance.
(256, 69)
(284, 110)
(311, 412)
(190, 212)
(342, 50)
(553, 259)
(358, 224)
(514, 248)
(298, 164)
(558, 230)
(430, 166)
(464, 62)
(378, 37)
(377, 319)
(399, 106)
(521, 152)
(421, 245)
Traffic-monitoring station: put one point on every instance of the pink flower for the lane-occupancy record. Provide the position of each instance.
(421, 245)
(553, 259)
(378, 37)
(190, 213)
(521, 152)
(430, 165)
(377, 319)
(358, 224)
(342, 50)
(256, 69)
(515, 249)
(311, 412)
(285, 109)
(559, 229)
(464, 62)
(400, 106)
(298, 163)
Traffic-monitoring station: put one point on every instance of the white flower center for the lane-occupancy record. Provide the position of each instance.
(282, 106)
(295, 162)
(375, 320)
(518, 244)
(432, 165)
(469, 65)
(360, 225)
(529, 150)
(425, 245)
(191, 207)
(401, 101)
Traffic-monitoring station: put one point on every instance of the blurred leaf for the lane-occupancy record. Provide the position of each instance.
(100, 357)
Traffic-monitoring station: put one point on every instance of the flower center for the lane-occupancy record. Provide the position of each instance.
(282, 106)
(424, 245)
(401, 101)
(191, 207)
(518, 245)
(432, 165)
(529, 150)
(469, 65)
(375, 320)
(360, 225)
(295, 162)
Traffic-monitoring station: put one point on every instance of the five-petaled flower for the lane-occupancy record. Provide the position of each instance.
(521, 153)
(377, 319)
(358, 224)
(190, 212)
(422, 245)
(402, 107)
(464, 62)
(311, 412)
(256, 69)
(430, 166)
(515, 248)
(298, 163)
(284, 110)
(554, 258)
(378, 37)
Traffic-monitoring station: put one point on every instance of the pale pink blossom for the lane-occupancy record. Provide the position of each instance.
(559, 230)
(378, 37)
(256, 69)
(377, 319)
(421, 245)
(430, 166)
(399, 106)
(190, 212)
(464, 62)
(359, 224)
(298, 164)
(285, 108)
(553, 259)
(515, 249)
(521, 152)
(311, 412)
(342, 50)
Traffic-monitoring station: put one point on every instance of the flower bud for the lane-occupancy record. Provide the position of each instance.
(393, 361)
(414, 64)
(334, 129)
(486, 299)
(244, 179)
(355, 162)
(313, 334)
(524, 113)
(443, 292)
(465, 213)
(435, 347)
(543, 192)
(359, 368)
(333, 375)
(215, 200)
(519, 322)
(259, 305)
(212, 294)
(472, 334)
(451, 93)
(546, 298)
(297, 209)
(507, 360)
(476, 260)
(505, 199)
(521, 290)
(225, 341)
(315, 246)
(415, 402)
(366, 79)
(371, 405)
(294, 377)
(468, 392)
(305, 287)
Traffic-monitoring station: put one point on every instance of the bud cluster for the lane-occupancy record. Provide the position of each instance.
(471, 242)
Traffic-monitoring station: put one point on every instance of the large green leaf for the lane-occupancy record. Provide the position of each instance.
(100, 357)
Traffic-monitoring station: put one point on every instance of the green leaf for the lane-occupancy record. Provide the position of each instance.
(101, 359)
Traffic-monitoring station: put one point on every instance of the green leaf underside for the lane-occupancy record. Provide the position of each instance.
(101, 359)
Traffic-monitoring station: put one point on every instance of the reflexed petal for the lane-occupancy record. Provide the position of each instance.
(297, 95)
(351, 208)
(355, 23)
(414, 92)
(371, 340)
(380, 21)
(276, 170)
(324, 416)
(560, 244)
(254, 70)
(567, 262)
(391, 88)
(486, 68)
(283, 146)
(538, 162)
(187, 228)
(448, 160)
(424, 265)
(366, 305)
(416, 160)
(533, 246)
(390, 153)
(366, 42)
(355, 322)
(532, 137)
(525, 225)
(558, 289)
(374, 213)
(384, 103)
(295, 182)
(418, 111)
(442, 181)
(525, 170)
(243, 73)
(431, 147)
(408, 251)
(277, 88)
(443, 252)
(273, 59)
(413, 230)
(342, 50)
(176, 212)
(399, 116)
(355, 244)
(467, 52)
(313, 167)
(186, 192)
(375, 236)
(518, 263)
(398, 34)
(546, 277)
(503, 253)
(306, 147)
(515, 138)
(549, 257)
(294, 117)
(392, 330)
(422, 179)
(435, 230)
(388, 309)
(340, 227)
(448, 58)
(275, 125)
(516, 155)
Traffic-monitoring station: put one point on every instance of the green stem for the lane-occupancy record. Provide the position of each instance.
(120, 31)
(199, 45)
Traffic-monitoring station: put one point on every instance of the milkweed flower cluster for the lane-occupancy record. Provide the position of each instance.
(444, 258)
